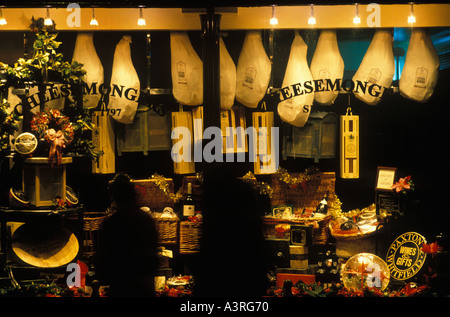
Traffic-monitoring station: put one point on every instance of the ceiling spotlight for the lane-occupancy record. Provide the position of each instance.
(273, 20)
(412, 18)
(356, 19)
(48, 21)
(141, 20)
(2, 18)
(94, 21)
(312, 19)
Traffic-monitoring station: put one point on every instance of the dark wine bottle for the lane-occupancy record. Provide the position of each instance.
(322, 208)
(188, 204)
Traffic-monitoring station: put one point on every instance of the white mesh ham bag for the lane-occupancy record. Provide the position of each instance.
(125, 85)
(376, 69)
(296, 109)
(227, 77)
(327, 63)
(86, 54)
(420, 72)
(187, 70)
(253, 71)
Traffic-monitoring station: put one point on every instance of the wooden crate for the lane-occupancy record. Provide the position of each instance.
(184, 164)
(43, 183)
(232, 119)
(349, 154)
(150, 195)
(148, 132)
(264, 159)
(316, 140)
(103, 138)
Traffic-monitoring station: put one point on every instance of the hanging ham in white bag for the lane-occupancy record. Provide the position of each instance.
(86, 54)
(420, 72)
(253, 71)
(376, 68)
(187, 70)
(227, 77)
(125, 84)
(296, 109)
(327, 63)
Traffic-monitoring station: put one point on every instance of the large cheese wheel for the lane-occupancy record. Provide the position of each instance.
(253, 71)
(125, 84)
(377, 68)
(296, 109)
(421, 68)
(187, 70)
(86, 54)
(327, 63)
(227, 77)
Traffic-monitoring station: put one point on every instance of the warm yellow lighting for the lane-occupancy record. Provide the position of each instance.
(356, 19)
(93, 20)
(312, 19)
(412, 18)
(48, 21)
(273, 20)
(2, 18)
(141, 20)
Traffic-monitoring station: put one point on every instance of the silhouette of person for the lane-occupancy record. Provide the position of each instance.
(232, 261)
(127, 255)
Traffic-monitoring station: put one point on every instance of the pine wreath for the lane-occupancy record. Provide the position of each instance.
(55, 128)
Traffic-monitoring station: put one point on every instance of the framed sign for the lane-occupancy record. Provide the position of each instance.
(385, 178)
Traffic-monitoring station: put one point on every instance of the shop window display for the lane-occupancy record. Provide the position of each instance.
(386, 85)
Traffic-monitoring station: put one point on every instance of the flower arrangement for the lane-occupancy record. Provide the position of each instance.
(403, 185)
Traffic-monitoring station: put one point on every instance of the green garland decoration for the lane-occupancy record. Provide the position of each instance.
(262, 187)
(284, 176)
(162, 184)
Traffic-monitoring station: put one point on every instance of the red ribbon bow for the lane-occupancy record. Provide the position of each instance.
(57, 142)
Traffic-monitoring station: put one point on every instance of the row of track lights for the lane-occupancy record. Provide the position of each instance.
(356, 19)
(94, 22)
(273, 21)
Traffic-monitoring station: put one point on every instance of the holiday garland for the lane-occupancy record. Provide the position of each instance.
(162, 184)
(262, 187)
(285, 177)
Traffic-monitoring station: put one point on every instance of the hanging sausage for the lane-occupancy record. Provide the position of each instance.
(253, 71)
(420, 72)
(86, 54)
(296, 109)
(327, 63)
(125, 85)
(376, 70)
(187, 70)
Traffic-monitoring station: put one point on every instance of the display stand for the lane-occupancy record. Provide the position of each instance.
(33, 216)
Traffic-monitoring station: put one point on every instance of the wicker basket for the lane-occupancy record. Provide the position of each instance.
(167, 229)
(321, 231)
(150, 195)
(310, 196)
(92, 222)
(190, 235)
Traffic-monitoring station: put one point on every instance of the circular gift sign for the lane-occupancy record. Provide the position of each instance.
(405, 257)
